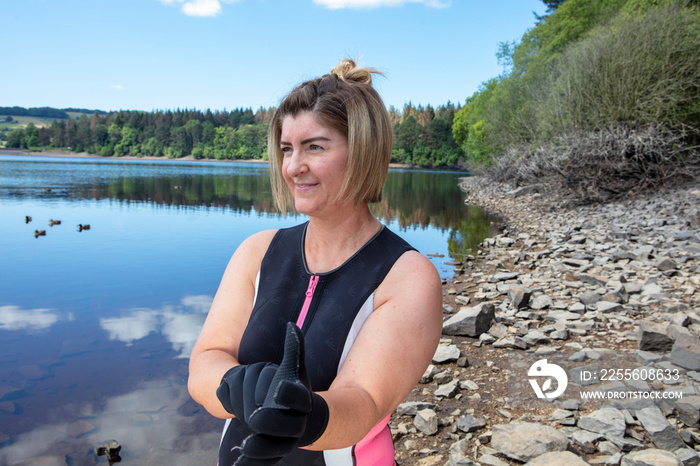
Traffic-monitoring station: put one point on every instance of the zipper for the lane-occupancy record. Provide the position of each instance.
(313, 281)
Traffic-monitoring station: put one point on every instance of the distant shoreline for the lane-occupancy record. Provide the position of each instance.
(66, 153)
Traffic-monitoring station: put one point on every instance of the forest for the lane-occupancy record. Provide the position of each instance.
(423, 135)
(616, 81)
(600, 97)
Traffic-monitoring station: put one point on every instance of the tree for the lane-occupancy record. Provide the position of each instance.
(552, 4)
(16, 139)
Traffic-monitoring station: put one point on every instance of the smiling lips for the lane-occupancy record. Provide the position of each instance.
(304, 187)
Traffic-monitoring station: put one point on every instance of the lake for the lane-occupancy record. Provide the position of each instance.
(96, 326)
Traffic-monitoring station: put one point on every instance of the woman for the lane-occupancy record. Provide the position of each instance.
(367, 308)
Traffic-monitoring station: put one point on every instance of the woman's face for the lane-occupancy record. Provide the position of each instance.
(315, 157)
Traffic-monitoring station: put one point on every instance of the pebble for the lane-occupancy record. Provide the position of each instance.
(586, 280)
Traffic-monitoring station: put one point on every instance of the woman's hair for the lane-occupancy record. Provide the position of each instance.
(343, 100)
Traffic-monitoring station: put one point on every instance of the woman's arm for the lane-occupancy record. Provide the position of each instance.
(392, 351)
(216, 350)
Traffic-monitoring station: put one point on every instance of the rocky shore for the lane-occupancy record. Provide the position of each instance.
(570, 338)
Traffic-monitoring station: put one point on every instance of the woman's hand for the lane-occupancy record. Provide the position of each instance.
(290, 416)
(243, 388)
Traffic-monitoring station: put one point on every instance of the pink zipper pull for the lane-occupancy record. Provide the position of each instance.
(312, 286)
(313, 281)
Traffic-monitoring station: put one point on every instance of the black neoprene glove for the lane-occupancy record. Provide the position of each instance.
(291, 416)
(243, 388)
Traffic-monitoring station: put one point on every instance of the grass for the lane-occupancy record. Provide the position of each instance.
(22, 121)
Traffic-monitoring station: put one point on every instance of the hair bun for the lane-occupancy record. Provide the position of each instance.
(348, 72)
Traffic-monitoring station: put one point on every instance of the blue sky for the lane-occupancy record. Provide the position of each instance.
(224, 54)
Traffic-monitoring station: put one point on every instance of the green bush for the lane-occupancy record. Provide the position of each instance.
(644, 67)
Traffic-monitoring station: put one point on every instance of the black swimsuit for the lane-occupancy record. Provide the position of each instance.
(330, 308)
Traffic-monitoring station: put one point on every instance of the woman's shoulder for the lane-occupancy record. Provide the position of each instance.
(256, 244)
(411, 277)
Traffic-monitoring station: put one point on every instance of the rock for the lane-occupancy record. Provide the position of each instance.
(650, 457)
(563, 417)
(653, 337)
(411, 408)
(647, 357)
(541, 302)
(562, 316)
(611, 460)
(661, 432)
(606, 267)
(519, 296)
(607, 447)
(470, 423)
(586, 440)
(458, 459)
(589, 298)
(578, 308)
(527, 441)
(427, 376)
(443, 377)
(688, 456)
(606, 421)
(557, 458)
(607, 306)
(595, 280)
(491, 460)
(458, 450)
(446, 354)
(665, 264)
(511, 342)
(652, 289)
(688, 409)
(686, 352)
(624, 443)
(498, 330)
(470, 321)
(448, 390)
(462, 300)
(110, 449)
(468, 385)
(426, 421)
(501, 277)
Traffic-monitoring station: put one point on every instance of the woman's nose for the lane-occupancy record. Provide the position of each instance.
(295, 164)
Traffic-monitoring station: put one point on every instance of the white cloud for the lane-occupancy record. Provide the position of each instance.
(202, 8)
(138, 325)
(338, 4)
(180, 325)
(198, 303)
(199, 8)
(117, 87)
(138, 420)
(31, 320)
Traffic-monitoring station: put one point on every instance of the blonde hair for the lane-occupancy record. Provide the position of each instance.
(343, 100)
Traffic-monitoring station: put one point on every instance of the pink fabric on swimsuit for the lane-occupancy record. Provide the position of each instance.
(377, 448)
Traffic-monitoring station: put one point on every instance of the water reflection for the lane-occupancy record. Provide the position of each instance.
(180, 325)
(153, 423)
(97, 326)
(27, 320)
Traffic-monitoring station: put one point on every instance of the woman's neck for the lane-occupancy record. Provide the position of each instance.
(331, 242)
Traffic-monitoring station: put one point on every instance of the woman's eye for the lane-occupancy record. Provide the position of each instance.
(315, 147)
(286, 150)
